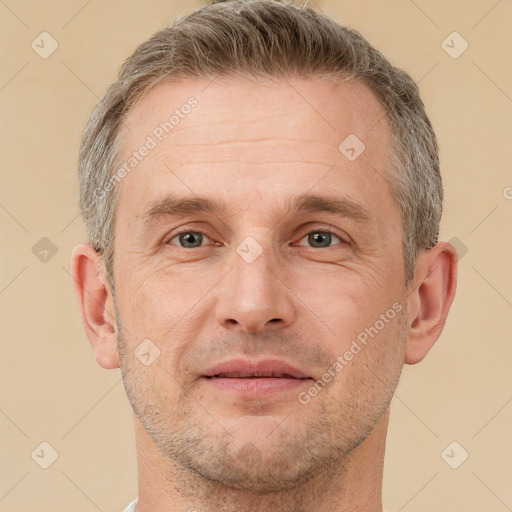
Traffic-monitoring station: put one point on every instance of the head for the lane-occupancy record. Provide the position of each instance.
(286, 206)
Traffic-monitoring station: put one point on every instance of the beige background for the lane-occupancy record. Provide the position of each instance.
(52, 390)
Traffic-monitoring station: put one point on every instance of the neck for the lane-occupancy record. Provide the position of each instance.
(355, 483)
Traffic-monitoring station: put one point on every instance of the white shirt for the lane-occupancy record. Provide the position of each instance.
(131, 507)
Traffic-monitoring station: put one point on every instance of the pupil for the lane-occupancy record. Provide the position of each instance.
(318, 238)
(191, 239)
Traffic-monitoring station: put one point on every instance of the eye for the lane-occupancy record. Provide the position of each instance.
(321, 239)
(189, 239)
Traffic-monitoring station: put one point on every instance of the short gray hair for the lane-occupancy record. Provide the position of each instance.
(266, 39)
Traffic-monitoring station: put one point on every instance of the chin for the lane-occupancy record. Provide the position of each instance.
(251, 453)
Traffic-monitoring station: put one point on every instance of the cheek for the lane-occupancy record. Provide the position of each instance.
(346, 303)
(371, 364)
(162, 297)
(170, 311)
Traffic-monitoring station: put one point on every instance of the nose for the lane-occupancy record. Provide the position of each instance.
(253, 297)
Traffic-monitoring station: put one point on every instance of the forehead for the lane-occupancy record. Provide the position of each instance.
(330, 109)
(242, 138)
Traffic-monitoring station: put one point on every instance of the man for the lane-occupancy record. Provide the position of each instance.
(262, 197)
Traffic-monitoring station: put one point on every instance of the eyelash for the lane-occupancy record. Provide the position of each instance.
(342, 240)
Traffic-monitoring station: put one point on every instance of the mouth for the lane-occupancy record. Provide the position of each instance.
(255, 377)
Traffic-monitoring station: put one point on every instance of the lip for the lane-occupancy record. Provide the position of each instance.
(255, 378)
(255, 369)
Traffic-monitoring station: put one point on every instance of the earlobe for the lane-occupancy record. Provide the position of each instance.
(430, 299)
(95, 302)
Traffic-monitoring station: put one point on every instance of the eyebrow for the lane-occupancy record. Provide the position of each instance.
(174, 206)
(343, 207)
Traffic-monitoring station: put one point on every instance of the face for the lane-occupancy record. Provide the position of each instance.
(264, 264)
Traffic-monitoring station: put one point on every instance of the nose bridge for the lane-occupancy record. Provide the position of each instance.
(253, 297)
(253, 269)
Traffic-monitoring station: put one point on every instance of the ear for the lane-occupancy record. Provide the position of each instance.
(430, 297)
(96, 304)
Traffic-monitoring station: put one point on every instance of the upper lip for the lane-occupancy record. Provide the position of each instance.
(265, 368)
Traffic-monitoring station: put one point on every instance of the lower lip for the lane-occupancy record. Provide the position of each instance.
(256, 386)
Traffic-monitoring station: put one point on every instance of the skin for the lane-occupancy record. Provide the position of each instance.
(253, 146)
